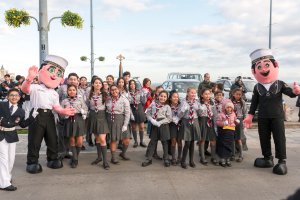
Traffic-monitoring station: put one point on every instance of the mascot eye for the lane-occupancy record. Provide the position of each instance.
(59, 73)
(267, 65)
(51, 69)
(259, 67)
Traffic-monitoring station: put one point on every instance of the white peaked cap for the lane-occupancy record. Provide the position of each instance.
(61, 62)
(260, 54)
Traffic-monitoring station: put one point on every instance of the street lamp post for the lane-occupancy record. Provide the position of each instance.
(270, 25)
(92, 40)
(92, 61)
(120, 58)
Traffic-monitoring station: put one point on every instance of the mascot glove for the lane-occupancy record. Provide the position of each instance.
(82, 111)
(34, 113)
(124, 128)
(32, 73)
(68, 111)
(296, 89)
(248, 121)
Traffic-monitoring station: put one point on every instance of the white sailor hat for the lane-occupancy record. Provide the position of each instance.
(260, 54)
(56, 61)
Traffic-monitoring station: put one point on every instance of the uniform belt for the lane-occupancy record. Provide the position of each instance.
(43, 110)
(7, 129)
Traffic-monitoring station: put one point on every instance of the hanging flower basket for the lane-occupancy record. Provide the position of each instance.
(16, 18)
(71, 19)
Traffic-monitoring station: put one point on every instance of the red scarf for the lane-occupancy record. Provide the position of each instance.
(112, 113)
(133, 94)
(149, 99)
(95, 99)
(71, 101)
(218, 108)
(209, 114)
(175, 111)
(191, 111)
(157, 107)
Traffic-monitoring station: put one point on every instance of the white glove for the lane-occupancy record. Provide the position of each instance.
(158, 124)
(66, 117)
(153, 121)
(124, 128)
(226, 123)
(132, 116)
(35, 113)
(175, 120)
(83, 117)
(82, 111)
(237, 121)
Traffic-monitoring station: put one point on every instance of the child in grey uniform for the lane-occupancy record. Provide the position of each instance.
(160, 115)
(74, 126)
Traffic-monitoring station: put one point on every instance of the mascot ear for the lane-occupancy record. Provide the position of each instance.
(253, 71)
(62, 81)
(276, 64)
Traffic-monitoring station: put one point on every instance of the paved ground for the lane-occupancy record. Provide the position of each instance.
(131, 181)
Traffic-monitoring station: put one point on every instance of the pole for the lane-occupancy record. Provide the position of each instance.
(92, 42)
(270, 25)
(43, 19)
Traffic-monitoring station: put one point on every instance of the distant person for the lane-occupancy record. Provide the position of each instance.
(298, 105)
(110, 80)
(6, 85)
(206, 83)
(127, 77)
(238, 83)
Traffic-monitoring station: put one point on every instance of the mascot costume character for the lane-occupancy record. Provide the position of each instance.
(44, 99)
(267, 97)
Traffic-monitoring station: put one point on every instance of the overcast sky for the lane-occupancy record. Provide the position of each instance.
(157, 37)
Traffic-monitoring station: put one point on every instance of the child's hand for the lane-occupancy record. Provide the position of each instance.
(226, 123)
(237, 121)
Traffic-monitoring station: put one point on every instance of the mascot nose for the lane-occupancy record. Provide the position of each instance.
(53, 77)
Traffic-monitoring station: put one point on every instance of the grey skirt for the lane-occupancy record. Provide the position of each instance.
(115, 127)
(207, 133)
(176, 131)
(191, 132)
(74, 127)
(160, 133)
(239, 130)
(97, 122)
(138, 113)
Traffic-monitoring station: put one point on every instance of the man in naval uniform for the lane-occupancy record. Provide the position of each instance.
(267, 97)
(44, 99)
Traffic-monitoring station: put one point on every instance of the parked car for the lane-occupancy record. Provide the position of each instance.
(186, 75)
(180, 85)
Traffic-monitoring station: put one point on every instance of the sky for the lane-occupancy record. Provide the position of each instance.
(158, 37)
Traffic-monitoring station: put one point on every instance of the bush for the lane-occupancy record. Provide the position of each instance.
(16, 18)
(71, 19)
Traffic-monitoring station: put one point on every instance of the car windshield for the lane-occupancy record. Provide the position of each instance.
(191, 76)
(183, 86)
(249, 85)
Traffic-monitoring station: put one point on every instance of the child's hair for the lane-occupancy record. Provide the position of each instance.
(73, 74)
(164, 91)
(12, 90)
(219, 92)
(170, 96)
(129, 83)
(145, 81)
(113, 85)
(111, 76)
(202, 92)
(156, 89)
(71, 85)
(104, 94)
(232, 96)
(124, 86)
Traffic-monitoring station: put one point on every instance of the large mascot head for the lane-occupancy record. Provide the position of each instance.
(264, 67)
(52, 71)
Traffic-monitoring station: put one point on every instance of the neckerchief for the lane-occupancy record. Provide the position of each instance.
(133, 95)
(113, 103)
(157, 107)
(191, 111)
(175, 111)
(95, 98)
(218, 108)
(235, 104)
(72, 101)
(209, 114)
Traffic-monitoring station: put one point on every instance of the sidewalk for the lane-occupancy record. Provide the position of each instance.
(131, 181)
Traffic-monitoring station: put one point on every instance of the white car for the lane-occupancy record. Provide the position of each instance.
(185, 75)
(180, 85)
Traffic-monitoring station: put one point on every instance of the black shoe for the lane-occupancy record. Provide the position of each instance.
(222, 163)
(184, 165)
(146, 163)
(228, 163)
(174, 162)
(55, 164)
(95, 162)
(83, 148)
(207, 153)
(67, 156)
(106, 166)
(203, 162)
(34, 168)
(9, 188)
(123, 156)
(167, 163)
(239, 159)
(192, 164)
(157, 157)
(178, 161)
(280, 168)
(114, 161)
(74, 163)
(266, 162)
(135, 145)
(232, 158)
(214, 161)
(142, 144)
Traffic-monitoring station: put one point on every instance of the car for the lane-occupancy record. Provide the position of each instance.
(180, 85)
(185, 75)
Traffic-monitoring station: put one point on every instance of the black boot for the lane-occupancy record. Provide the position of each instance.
(104, 154)
(203, 161)
(123, 154)
(173, 148)
(34, 168)
(191, 154)
(179, 146)
(142, 144)
(280, 168)
(146, 163)
(155, 155)
(266, 162)
(222, 162)
(74, 160)
(240, 156)
(114, 160)
(166, 162)
(228, 163)
(134, 133)
(99, 152)
(184, 154)
(55, 164)
(232, 158)
(213, 154)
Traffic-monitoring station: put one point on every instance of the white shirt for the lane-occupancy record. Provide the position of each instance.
(15, 107)
(267, 85)
(43, 97)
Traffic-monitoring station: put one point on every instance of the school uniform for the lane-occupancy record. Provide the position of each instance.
(163, 115)
(136, 100)
(74, 125)
(175, 129)
(206, 122)
(10, 117)
(240, 110)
